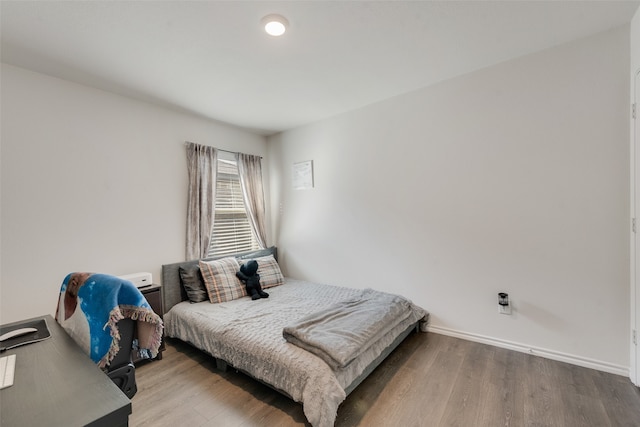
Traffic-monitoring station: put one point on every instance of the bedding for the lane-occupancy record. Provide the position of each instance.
(248, 335)
(269, 271)
(220, 280)
(340, 333)
(193, 283)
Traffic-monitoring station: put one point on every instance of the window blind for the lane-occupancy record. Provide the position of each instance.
(231, 231)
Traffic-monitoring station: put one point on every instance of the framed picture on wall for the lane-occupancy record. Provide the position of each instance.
(303, 175)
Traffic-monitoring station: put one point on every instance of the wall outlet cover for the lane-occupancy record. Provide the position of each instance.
(504, 309)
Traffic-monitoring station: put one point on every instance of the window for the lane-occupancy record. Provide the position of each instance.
(231, 231)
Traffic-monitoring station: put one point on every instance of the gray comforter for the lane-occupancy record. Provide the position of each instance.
(248, 335)
(343, 331)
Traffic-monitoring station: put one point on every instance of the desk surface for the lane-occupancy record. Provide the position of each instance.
(57, 384)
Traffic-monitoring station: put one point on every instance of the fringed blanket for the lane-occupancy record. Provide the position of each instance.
(90, 307)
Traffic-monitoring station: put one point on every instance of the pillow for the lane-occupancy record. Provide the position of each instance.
(269, 271)
(193, 283)
(221, 281)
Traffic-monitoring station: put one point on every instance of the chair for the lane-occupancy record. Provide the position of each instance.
(95, 315)
(121, 369)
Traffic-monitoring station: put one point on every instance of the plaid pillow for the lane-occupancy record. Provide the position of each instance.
(269, 271)
(221, 281)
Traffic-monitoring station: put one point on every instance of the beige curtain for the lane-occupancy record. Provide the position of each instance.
(250, 171)
(202, 166)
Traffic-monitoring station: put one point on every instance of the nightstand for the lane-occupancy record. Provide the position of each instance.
(153, 295)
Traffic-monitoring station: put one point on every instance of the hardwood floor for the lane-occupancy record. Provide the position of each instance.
(430, 380)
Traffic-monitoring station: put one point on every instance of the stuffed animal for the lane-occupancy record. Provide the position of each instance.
(248, 275)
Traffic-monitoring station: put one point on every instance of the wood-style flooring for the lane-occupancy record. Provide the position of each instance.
(430, 380)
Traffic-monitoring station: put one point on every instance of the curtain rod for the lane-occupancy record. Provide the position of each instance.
(219, 149)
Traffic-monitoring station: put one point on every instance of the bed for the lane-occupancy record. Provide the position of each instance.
(248, 335)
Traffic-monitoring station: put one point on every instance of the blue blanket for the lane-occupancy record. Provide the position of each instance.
(90, 307)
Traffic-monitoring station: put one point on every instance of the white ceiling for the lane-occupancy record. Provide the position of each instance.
(213, 59)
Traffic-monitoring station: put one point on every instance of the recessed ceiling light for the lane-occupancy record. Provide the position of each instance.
(275, 25)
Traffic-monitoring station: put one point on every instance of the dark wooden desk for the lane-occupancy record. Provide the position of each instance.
(57, 384)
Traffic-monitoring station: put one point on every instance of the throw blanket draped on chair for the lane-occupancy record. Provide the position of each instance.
(90, 306)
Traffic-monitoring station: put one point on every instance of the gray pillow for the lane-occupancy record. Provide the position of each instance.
(193, 283)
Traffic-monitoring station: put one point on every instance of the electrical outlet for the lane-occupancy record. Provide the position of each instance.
(504, 305)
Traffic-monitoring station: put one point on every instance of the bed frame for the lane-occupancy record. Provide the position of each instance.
(173, 293)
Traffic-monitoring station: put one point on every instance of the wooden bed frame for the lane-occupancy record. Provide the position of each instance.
(173, 293)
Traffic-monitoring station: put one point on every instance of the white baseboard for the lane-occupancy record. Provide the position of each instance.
(536, 351)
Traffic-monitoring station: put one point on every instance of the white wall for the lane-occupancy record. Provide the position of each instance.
(91, 181)
(635, 296)
(635, 42)
(513, 178)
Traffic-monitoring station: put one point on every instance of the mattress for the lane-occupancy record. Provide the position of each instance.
(247, 334)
